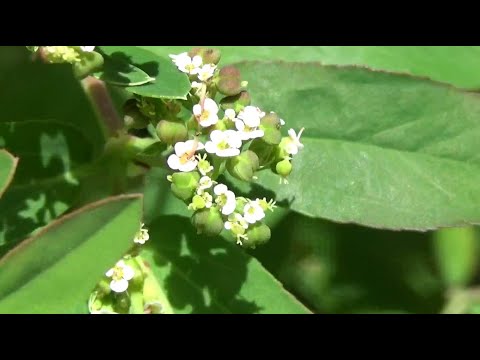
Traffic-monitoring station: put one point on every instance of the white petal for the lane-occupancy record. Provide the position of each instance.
(230, 114)
(250, 218)
(210, 147)
(292, 134)
(210, 105)
(128, 273)
(197, 110)
(220, 189)
(217, 136)
(240, 125)
(120, 263)
(181, 148)
(109, 273)
(228, 225)
(228, 152)
(174, 162)
(188, 166)
(197, 61)
(212, 119)
(119, 286)
(257, 134)
(87, 48)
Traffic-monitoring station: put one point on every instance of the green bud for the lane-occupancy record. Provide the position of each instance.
(209, 56)
(243, 166)
(208, 221)
(229, 86)
(184, 184)
(272, 136)
(257, 234)
(122, 303)
(281, 152)
(266, 153)
(284, 167)
(229, 81)
(236, 102)
(171, 132)
(271, 120)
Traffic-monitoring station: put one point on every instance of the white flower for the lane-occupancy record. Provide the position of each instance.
(294, 145)
(142, 236)
(206, 72)
(246, 132)
(282, 122)
(225, 199)
(206, 116)
(224, 143)
(184, 159)
(87, 48)
(230, 114)
(251, 116)
(204, 165)
(186, 64)
(253, 212)
(236, 219)
(120, 275)
(205, 183)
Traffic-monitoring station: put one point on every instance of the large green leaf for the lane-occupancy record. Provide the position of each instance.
(382, 150)
(8, 163)
(169, 81)
(457, 65)
(54, 272)
(210, 275)
(48, 122)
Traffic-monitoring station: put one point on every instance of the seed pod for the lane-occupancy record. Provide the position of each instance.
(172, 131)
(236, 102)
(257, 234)
(209, 56)
(243, 166)
(283, 168)
(208, 221)
(184, 184)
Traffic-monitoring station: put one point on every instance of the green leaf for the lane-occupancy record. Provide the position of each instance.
(8, 164)
(54, 272)
(49, 123)
(210, 275)
(381, 150)
(169, 81)
(457, 65)
(456, 252)
(118, 72)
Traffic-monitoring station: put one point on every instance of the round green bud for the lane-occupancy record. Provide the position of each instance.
(208, 221)
(209, 56)
(236, 102)
(229, 86)
(122, 303)
(283, 168)
(184, 184)
(243, 166)
(257, 234)
(230, 71)
(171, 132)
(272, 135)
(271, 120)
(265, 153)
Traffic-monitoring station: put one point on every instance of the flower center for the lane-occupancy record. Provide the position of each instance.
(117, 273)
(223, 145)
(221, 200)
(185, 158)
(205, 115)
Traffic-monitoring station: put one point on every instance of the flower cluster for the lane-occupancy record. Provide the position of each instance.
(61, 54)
(226, 137)
(129, 286)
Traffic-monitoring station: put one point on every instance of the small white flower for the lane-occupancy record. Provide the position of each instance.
(206, 116)
(294, 145)
(236, 219)
(282, 122)
(230, 114)
(246, 132)
(186, 64)
(206, 72)
(251, 116)
(204, 165)
(225, 199)
(208, 199)
(224, 143)
(142, 236)
(205, 183)
(120, 275)
(87, 48)
(184, 159)
(253, 212)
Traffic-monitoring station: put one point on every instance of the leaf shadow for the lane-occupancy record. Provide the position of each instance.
(201, 274)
